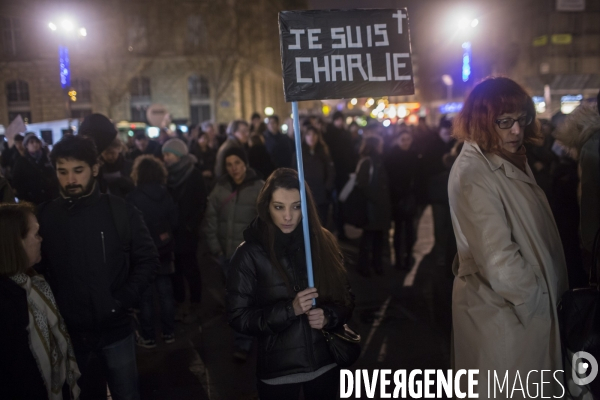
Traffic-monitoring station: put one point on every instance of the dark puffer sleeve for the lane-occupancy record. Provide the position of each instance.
(244, 313)
(337, 313)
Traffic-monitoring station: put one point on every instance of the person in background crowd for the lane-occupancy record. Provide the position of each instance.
(238, 133)
(151, 197)
(7, 195)
(373, 180)
(34, 179)
(565, 207)
(231, 208)
(319, 171)
(279, 146)
(257, 125)
(186, 186)
(356, 136)
(268, 296)
(401, 165)
(205, 149)
(114, 176)
(258, 156)
(510, 270)
(541, 158)
(96, 270)
(13, 149)
(581, 131)
(222, 134)
(163, 136)
(143, 145)
(437, 193)
(36, 355)
(341, 148)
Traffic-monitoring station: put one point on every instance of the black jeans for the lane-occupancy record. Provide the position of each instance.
(324, 387)
(371, 250)
(187, 268)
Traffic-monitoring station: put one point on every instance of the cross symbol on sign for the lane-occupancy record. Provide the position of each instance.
(400, 16)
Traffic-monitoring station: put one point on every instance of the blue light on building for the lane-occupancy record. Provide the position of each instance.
(466, 68)
(451, 108)
(65, 71)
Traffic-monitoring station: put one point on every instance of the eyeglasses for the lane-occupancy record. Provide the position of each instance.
(507, 123)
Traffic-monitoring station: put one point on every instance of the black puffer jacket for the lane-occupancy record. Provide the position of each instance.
(85, 264)
(260, 304)
(35, 180)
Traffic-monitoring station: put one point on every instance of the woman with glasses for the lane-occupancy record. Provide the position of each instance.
(510, 269)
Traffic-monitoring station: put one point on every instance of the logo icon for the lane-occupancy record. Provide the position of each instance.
(583, 363)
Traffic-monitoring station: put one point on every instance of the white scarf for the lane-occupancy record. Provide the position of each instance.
(48, 338)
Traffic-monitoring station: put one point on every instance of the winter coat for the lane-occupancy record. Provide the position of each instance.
(581, 131)
(259, 304)
(260, 161)
(377, 189)
(319, 173)
(231, 141)
(401, 167)
(160, 215)
(6, 193)
(341, 148)
(20, 377)
(511, 271)
(115, 178)
(84, 262)
(227, 215)
(35, 181)
(190, 198)
(281, 149)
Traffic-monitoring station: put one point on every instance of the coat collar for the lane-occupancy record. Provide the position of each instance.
(496, 162)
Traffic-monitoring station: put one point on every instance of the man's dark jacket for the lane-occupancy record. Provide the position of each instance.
(85, 263)
(341, 149)
(260, 304)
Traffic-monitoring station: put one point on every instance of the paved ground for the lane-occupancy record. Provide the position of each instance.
(404, 320)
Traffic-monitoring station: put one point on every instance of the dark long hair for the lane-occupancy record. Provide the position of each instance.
(328, 265)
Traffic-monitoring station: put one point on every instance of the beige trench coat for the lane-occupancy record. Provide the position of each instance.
(510, 274)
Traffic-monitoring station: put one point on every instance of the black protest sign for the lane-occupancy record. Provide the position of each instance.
(336, 54)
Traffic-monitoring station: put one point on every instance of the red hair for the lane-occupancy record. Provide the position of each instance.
(489, 99)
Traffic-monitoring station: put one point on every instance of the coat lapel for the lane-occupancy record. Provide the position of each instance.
(496, 162)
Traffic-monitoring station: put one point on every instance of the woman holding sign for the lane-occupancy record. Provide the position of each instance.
(510, 269)
(268, 296)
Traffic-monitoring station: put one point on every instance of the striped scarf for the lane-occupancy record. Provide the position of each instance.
(48, 338)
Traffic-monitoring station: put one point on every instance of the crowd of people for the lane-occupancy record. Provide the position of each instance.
(122, 222)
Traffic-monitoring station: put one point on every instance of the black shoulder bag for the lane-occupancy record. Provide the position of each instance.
(343, 344)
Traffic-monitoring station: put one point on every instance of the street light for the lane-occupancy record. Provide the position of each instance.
(66, 28)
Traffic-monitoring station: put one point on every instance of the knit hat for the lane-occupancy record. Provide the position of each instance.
(30, 136)
(100, 129)
(175, 146)
(235, 151)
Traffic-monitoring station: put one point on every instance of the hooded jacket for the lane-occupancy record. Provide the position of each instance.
(84, 262)
(229, 213)
(260, 304)
(581, 131)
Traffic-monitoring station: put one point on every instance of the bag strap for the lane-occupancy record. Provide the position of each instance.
(228, 199)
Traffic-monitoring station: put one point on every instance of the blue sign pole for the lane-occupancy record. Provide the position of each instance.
(307, 250)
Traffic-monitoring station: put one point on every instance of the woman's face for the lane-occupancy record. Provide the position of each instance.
(33, 242)
(311, 138)
(512, 138)
(285, 209)
(235, 168)
(405, 141)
